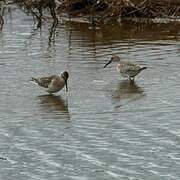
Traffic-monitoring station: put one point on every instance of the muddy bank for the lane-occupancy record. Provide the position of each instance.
(99, 11)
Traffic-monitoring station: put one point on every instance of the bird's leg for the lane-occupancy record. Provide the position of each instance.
(131, 80)
(50, 93)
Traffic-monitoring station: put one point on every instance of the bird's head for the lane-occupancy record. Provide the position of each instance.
(114, 58)
(65, 76)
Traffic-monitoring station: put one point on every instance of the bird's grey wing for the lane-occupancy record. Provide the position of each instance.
(130, 67)
(45, 81)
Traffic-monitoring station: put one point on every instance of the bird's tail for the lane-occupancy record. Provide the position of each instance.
(143, 68)
(34, 80)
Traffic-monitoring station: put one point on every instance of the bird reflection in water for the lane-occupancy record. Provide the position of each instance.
(54, 104)
(127, 92)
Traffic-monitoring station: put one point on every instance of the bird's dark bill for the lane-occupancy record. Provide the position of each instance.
(107, 64)
(66, 86)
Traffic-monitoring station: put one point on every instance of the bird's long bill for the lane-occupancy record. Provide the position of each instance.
(66, 86)
(107, 64)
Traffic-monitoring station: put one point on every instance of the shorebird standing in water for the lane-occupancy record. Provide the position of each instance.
(125, 68)
(53, 83)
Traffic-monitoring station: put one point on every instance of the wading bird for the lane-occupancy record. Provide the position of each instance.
(125, 68)
(53, 83)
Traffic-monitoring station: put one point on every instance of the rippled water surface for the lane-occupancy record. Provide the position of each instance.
(103, 128)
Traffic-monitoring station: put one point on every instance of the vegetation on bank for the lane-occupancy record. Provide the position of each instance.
(102, 11)
(108, 10)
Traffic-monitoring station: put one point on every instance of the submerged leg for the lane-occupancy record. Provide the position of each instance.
(131, 80)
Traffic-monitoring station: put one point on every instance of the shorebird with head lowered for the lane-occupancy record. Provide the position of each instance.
(53, 83)
(126, 68)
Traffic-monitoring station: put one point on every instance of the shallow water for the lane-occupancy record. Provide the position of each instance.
(103, 128)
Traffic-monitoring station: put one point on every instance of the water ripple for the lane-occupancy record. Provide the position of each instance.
(103, 128)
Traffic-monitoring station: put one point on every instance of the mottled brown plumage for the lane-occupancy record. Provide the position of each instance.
(126, 68)
(53, 83)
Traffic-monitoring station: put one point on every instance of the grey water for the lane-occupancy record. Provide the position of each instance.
(104, 128)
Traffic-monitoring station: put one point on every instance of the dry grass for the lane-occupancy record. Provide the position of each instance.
(116, 8)
(109, 10)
